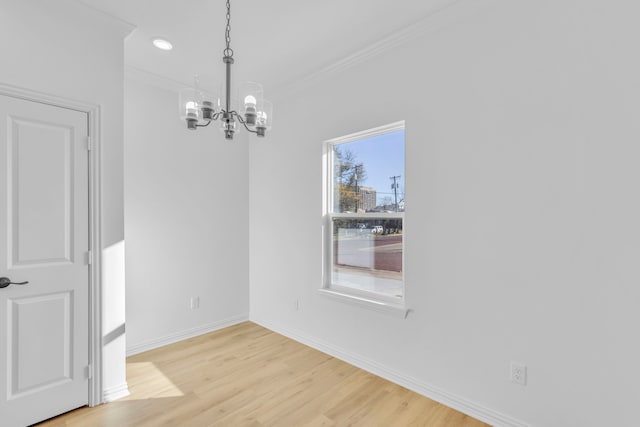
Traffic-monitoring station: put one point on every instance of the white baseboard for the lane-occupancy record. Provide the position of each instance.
(114, 393)
(451, 400)
(183, 335)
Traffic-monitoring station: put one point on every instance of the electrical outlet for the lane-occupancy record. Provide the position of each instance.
(195, 303)
(518, 373)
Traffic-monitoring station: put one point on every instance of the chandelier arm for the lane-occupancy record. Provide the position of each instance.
(241, 120)
(205, 125)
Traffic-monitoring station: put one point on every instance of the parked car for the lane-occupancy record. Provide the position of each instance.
(377, 229)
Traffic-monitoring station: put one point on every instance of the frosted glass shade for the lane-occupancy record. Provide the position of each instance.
(265, 115)
(250, 95)
(189, 104)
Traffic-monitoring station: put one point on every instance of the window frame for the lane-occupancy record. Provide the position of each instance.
(363, 298)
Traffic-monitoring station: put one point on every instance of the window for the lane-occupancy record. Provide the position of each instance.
(364, 215)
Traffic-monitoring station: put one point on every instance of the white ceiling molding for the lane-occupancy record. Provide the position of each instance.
(155, 80)
(449, 13)
(439, 19)
(125, 27)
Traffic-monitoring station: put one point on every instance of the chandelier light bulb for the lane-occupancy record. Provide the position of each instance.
(250, 109)
(250, 101)
(264, 117)
(192, 110)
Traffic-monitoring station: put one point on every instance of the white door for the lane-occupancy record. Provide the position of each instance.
(44, 239)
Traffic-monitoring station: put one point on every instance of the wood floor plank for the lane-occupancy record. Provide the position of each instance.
(248, 376)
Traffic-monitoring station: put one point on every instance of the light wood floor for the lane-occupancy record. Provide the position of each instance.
(246, 375)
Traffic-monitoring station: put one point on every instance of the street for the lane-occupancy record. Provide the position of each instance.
(371, 251)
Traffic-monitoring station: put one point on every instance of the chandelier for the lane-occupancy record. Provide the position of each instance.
(199, 108)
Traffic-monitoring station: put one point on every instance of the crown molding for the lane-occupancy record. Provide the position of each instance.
(438, 19)
(124, 27)
(153, 79)
(157, 80)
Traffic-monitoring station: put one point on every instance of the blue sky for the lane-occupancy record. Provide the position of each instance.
(382, 157)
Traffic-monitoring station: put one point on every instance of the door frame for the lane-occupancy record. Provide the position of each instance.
(93, 112)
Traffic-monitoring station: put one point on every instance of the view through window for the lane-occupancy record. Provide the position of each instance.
(366, 206)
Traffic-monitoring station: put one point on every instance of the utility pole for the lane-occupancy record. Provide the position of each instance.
(356, 175)
(394, 187)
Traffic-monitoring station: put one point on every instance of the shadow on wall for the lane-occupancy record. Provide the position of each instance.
(114, 334)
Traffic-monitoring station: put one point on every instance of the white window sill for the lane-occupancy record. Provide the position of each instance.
(396, 310)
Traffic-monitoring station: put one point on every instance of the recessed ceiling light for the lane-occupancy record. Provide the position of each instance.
(162, 44)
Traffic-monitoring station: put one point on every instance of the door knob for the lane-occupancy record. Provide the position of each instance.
(5, 281)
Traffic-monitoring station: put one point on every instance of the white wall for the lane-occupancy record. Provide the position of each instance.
(65, 49)
(522, 224)
(186, 221)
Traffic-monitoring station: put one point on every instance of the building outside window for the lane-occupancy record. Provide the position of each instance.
(364, 214)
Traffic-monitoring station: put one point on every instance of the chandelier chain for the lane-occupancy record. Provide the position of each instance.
(228, 51)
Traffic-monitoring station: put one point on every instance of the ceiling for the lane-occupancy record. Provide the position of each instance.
(275, 42)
